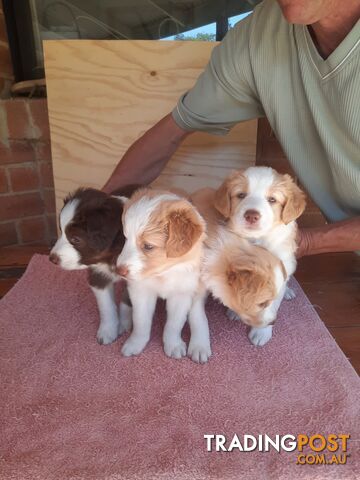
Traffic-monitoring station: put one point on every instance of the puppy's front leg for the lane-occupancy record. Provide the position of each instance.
(289, 293)
(143, 304)
(109, 317)
(199, 347)
(177, 307)
(260, 336)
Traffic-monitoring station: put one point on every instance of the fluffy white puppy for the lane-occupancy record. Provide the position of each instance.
(161, 258)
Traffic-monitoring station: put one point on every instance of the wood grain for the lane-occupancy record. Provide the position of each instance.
(102, 95)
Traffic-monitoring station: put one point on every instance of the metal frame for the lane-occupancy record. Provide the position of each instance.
(22, 47)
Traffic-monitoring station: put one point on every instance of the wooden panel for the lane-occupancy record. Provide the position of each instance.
(103, 95)
(332, 282)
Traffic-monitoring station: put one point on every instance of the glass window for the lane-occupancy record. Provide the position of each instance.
(38, 20)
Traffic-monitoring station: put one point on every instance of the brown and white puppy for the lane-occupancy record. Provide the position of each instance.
(161, 258)
(92, 238)
(244, 277)
(261, 205)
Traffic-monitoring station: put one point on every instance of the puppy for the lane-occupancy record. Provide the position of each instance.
(92, 238)
(161, 258)
(260, 205)
(244, 277)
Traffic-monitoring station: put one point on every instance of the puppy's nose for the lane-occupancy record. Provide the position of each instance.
(122, 270)
(252, 216)
(54, 258)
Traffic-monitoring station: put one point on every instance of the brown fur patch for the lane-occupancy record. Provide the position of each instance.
(246, 278)
(96, 229)
(294, 202)
(184, 229)
(98, 279)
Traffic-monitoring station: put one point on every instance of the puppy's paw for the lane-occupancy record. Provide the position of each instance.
(125, 316)
(107, 333)
(260, 336)
(232, 315)
(289, 294)
(199, 352)
(133, 346)
(175, 349)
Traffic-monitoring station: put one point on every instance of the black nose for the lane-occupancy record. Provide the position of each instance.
(54, 258)
(252, 216)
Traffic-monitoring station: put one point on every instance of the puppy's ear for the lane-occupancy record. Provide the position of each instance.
(247, 278)
(184, 228)
(295, 201)
(239, 277)
(222, 199)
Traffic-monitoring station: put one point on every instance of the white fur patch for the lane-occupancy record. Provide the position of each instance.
(259, 180)
(69, 256)
(260, 336)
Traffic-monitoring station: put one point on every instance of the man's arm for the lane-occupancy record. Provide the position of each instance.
(337, 237)
(145, 159)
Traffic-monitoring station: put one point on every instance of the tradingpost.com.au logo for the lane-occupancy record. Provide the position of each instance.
(320, 449)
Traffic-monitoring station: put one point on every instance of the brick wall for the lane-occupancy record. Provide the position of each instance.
(27, 202)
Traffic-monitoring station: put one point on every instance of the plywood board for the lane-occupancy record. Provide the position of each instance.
(102, 95)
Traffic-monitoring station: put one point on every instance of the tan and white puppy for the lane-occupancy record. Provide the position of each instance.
(244, 277)
(161, 258)
(260, 205)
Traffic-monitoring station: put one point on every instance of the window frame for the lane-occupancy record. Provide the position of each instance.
(22, 47)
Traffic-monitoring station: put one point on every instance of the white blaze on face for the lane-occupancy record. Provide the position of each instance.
(69, 256)
(135, 221)
(260, 180)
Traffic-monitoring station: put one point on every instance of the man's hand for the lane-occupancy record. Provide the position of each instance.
(337, 237)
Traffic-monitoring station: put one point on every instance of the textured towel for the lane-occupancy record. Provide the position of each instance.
(71, 409)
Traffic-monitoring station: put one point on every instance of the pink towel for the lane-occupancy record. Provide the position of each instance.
(71, 409)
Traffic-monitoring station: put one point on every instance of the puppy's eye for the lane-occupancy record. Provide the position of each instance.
(148, 247)
(75, 240)
(264, 304)
(241, 195)
(271, 199)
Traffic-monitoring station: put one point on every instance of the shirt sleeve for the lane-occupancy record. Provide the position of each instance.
(225, 93)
